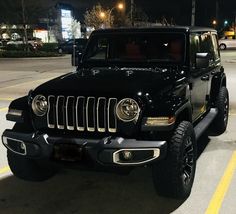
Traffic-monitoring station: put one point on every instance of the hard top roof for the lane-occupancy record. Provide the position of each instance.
(183, 29)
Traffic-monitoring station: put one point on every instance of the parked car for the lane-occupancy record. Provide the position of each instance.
(34, 42)
(67, 47)
(226, 43)
(78, 50)
(139, 97)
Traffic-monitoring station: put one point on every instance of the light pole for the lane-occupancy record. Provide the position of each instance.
(193, 12)
(120, 6)
(24, 23)
(132, 12)
(235, 23)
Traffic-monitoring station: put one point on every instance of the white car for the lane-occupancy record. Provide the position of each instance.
(35, 42)
(227, 43)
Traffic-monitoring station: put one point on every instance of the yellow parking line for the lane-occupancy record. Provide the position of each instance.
(6, 99)
(5, 170)
(3, 109)
(24, 83)
(222, 188)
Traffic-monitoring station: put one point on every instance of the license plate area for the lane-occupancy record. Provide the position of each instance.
(68, 152)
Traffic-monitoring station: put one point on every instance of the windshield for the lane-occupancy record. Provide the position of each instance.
(151, 47)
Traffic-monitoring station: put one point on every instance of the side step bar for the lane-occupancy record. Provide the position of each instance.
(205, 122)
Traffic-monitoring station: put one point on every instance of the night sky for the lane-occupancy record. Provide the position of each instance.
(180, 10)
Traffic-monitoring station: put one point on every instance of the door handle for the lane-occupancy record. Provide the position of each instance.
(205, 78)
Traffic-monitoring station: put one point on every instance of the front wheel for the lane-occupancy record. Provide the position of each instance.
(174, 176)
(28, 169)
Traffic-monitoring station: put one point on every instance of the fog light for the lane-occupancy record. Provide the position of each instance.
(127, 155)
(22, 146)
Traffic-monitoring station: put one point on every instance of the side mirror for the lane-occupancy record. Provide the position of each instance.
(202, 60)
(76, 58)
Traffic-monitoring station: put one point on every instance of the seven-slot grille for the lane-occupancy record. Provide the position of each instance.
(82, 113)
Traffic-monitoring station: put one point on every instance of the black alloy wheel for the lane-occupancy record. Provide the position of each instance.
(188, 161)
(220, 123)
(173, 177)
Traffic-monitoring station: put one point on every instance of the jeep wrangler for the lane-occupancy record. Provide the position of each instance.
(139, 97)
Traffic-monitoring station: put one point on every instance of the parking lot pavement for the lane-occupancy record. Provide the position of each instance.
(228, 56)
(211, 173)
(103, 193)
(91, 192)
(4, 170)
(229, 200)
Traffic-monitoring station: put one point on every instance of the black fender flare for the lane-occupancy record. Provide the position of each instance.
(218, 81)
(184, 112)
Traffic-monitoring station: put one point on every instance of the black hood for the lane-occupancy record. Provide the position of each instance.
(110, 82)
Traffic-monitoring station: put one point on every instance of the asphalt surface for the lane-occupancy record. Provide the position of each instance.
(103, 193)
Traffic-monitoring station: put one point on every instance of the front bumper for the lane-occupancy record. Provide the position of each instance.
(107, 151)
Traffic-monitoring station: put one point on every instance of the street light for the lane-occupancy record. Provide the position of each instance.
(214, 22)
(119, 6)
(102, 15)
(226, 22)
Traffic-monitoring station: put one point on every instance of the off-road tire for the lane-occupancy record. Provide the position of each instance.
(219, 125)
(169, 175)
(28, 169)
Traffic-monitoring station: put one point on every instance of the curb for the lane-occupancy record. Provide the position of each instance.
(38, 58)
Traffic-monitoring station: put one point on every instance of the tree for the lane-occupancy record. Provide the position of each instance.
(11, 11)
(24, 13)
(98, 17)
(75, 29)
(121, 20)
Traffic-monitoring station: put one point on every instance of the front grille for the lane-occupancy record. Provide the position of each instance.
(82, 113)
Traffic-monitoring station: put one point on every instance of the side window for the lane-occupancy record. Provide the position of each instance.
(194, 47)
(216, 47)
(99, 49)
(206, 45)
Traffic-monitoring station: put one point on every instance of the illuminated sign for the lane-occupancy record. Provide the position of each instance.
(66, 23)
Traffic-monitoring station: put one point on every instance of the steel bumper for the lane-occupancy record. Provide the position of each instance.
(107, 151)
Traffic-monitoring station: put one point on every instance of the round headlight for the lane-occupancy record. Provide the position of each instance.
(127, 110)
(40, 105)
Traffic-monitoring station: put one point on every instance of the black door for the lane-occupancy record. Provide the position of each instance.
(201, 77)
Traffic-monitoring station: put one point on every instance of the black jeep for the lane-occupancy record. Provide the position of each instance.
(140, 96)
